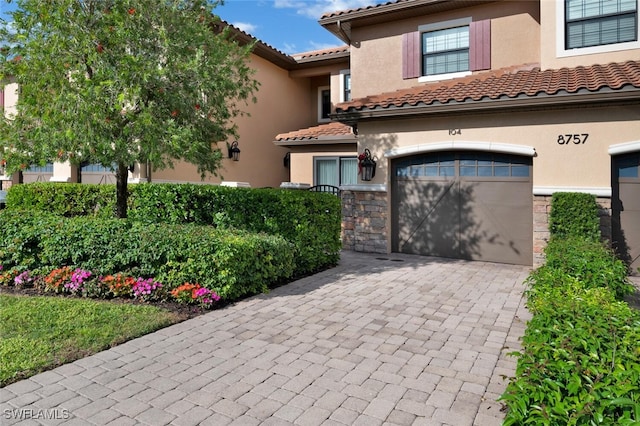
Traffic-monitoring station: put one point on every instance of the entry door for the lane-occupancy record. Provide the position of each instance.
(473, 205)
(626, 209)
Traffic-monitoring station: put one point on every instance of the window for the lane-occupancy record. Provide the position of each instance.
(47, 168)
(346, 87)
(324, 103)
(600, 22)
(98, 168)
(447, 49)
(335, 171)
(465, 165)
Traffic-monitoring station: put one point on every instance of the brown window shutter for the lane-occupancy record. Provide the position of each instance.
(480, 45)
(411, 57)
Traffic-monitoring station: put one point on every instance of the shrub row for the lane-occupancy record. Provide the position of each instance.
(580, 362)
(309, 220)
(232, 264)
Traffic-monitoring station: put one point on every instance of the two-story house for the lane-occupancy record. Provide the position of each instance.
(477, 111)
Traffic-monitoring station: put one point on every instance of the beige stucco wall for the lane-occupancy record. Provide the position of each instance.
(302, 159)
(10, 99)
(552, 57)
(282, 106)
(376, 52)
(576, 166)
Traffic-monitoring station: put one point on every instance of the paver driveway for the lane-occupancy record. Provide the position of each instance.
(380, 339)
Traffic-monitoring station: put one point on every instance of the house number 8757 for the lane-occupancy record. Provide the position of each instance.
(575, 138)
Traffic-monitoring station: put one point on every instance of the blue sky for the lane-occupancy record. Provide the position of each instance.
(290, 26)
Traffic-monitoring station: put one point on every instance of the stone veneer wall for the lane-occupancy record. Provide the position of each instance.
(364, 221)
(541, 210)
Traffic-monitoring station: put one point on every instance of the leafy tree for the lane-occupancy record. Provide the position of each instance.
(122, 81)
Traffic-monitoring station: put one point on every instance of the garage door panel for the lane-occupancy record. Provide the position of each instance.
(428, 209)
(499, 229)
(626, 209)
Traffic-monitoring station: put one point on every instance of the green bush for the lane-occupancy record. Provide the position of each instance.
(589, 261)
(231, 263)
(309, 220)
(574, 214)
(68, 199)
(580, 361)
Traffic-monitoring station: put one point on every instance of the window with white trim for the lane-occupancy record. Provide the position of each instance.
(591, 23)
(335, 171)
(445, 51)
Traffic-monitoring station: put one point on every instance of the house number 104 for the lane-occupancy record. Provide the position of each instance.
(575, 138)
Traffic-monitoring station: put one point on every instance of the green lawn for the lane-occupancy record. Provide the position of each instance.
(39, 333)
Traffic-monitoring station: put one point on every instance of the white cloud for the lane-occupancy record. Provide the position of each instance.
(289, 48)
(316, 8)
(245, 26)
(322, 46)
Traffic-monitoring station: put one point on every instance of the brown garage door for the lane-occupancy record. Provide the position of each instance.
(626, 208)
(464, 205)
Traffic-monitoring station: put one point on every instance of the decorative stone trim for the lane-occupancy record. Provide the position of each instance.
(364, 221)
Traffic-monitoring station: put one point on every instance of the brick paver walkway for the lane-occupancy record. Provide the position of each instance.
(381, 339)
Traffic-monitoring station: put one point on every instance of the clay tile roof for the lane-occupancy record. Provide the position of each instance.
(527, 81)
(346, 12)
(321, 53)
(333, 130)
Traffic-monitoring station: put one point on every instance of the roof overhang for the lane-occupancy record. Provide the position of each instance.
(327, 140)
(583, 97)
(340, 24)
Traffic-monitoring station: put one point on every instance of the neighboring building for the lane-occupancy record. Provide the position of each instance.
(294, 93)
(478, 111)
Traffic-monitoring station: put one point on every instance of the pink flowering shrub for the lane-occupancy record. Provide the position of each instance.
(146, 289)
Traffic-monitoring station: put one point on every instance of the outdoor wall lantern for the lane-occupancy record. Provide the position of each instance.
(234, 151)
(366, 165)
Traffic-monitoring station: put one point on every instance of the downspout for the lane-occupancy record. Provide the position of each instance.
(344, 34)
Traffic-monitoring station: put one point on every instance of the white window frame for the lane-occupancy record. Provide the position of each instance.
(461, 22)
(562, 52)
(343, 74)
(320, 90)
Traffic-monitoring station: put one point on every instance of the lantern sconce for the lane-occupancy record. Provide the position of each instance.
(234, 151)
(366, 165)
(286, 161)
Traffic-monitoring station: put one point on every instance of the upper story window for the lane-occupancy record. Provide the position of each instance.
(346, 87)
(324, 103)
(447, 49)
(600, 22)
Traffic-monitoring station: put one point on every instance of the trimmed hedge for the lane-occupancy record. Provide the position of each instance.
(580, 362)
(233, 264)
(311, 221)
(574, 214)
(64, 199)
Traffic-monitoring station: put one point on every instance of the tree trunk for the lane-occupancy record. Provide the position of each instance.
(122, 175)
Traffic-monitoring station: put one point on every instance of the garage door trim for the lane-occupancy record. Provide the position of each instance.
(492, 147)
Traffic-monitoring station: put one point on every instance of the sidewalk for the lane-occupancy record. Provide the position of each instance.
(380, 339)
